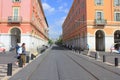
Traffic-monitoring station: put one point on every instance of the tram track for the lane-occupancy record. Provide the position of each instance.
(83, 67)
(87, 70)
(44, 57)
(101, 66)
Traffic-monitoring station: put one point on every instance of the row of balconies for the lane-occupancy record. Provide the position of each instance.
(18, 20)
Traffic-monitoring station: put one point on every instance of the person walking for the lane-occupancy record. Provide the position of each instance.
(18, 52)
(23, 54)
(17, 47)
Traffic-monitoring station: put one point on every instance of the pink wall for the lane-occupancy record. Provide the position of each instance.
(26, 12)
(6, 7)
(25, 9)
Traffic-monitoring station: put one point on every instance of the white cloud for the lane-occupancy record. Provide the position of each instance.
(54, 32)
(60, 7)
(60, 21)
(63, 8)
(48, 8)
(56, 28)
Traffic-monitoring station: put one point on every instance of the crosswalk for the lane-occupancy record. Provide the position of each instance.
(3, 70)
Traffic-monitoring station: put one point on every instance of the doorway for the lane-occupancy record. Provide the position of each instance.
(15, 36)
(100, 40)
(117, 36)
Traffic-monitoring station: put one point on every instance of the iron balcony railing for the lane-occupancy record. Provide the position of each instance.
(16, 0)
(100, 22)
(14, 19)
(118, 4)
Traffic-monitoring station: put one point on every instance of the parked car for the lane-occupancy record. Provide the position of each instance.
(115, 48)
(2, 47)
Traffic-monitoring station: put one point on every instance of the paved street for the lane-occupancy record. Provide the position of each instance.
(61, 64)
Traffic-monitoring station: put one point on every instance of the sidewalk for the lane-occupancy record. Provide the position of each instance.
(109, 57)
(8, 57)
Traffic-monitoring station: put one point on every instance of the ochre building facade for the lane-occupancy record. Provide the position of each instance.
(93, 23)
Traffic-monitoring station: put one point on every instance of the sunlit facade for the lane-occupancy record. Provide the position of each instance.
(23, 21)
(92, 22)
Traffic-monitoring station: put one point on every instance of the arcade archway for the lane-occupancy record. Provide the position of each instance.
(117, 36)
(100, 40)
(15, 36)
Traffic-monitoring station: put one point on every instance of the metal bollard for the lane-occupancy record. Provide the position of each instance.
(104, 58)
(116, 62)
(27, 59)
(20, 63)
(96, 57)
(9, 69)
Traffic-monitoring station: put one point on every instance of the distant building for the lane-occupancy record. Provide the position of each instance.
(92, 22)
(23, 21)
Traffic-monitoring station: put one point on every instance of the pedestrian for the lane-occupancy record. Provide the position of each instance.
(23, 54)
(17, 47)
(18, 52)
(88, 48)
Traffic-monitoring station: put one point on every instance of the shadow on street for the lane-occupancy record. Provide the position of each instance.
(57, 48)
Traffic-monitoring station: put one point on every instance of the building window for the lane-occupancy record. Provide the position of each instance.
(99, 15)
(117, 2)
(99, 2)
(117, 16)
(16, 0)
(15, 13)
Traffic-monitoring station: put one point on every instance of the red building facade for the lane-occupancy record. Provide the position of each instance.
(23, 21)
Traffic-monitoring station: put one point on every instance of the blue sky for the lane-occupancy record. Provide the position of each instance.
(56, 12)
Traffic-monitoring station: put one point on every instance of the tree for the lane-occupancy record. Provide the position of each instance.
(50, 41)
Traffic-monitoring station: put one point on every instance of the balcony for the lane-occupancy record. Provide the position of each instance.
(100, 21)
(15, 19)
(16, 1)
(118, 4)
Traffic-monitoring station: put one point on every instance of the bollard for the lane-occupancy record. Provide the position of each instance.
(96, 56)
(9, 69)
(20, 63)
(116, 62)
(104, 58)
(88, 53)
(27, 59)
